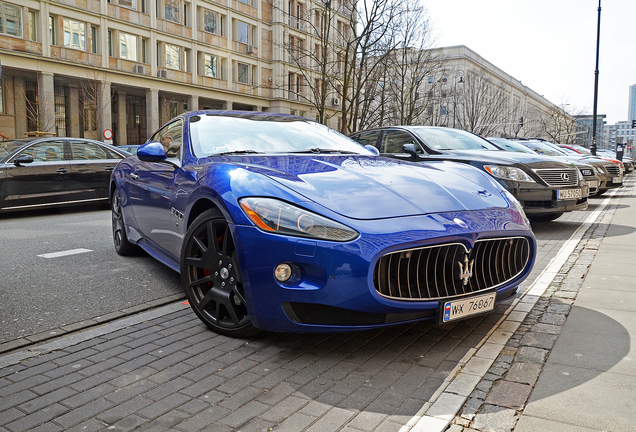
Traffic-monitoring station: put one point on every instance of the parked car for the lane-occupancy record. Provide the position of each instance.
(279, 223)
(614, 167)
(130, 148)
(627, 161)
(38, 172)
(545, 187)
(590, 168)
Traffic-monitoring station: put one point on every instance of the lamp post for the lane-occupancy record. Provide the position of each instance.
(461, 81)
(598, 38)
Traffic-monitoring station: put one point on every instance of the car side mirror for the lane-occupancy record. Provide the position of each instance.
(23, 159)
(410, 149)
(372, 149)
(152, 152)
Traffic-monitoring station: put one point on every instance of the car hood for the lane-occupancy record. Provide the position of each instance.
(503, 157)
(362, 187)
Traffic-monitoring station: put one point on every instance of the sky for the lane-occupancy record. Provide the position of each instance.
(550, 46)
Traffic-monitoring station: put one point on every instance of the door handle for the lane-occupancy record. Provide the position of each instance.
(62, 171)
(134, 176)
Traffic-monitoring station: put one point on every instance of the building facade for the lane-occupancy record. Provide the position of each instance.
(82, 67)
(584, 130)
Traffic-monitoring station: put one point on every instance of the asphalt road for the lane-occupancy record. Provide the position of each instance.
(39, 293)
(44, 287)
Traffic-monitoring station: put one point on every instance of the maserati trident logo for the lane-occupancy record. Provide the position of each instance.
(466, 269)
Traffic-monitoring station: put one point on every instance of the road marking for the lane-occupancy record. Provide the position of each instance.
(64, 253)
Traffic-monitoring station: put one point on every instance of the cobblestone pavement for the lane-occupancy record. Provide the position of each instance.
(500, 396)
(163, 370)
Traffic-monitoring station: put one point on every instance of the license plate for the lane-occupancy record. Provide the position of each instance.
(593, 183)
(569, 194)
(617, 179)
(465, 307)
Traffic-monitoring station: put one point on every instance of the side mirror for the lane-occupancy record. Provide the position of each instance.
(410, 149)
(152, 152)
(23, 159)
(372, 149)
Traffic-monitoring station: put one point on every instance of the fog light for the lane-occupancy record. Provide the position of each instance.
(283, 272)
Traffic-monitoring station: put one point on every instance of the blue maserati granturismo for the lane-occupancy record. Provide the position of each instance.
(279, 223)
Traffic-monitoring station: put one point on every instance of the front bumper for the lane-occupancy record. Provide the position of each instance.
(537, 199)
(333, 287)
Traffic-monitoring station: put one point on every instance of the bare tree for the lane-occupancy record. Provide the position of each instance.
(483, 105)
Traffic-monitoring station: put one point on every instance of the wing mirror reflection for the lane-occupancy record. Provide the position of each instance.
(23, 159)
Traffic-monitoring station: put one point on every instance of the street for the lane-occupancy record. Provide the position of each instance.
(41, 293)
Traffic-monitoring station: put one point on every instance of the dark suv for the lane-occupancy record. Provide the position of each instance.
(546, 188)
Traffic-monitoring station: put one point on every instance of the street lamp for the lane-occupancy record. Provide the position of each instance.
(459, 73)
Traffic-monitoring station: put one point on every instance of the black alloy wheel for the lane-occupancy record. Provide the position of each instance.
(122, 245)
(212, 278)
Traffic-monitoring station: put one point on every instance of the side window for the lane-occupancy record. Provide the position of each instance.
(393, 141)
(171, 137)
(367, 138)
(48, 151)
(83, 150)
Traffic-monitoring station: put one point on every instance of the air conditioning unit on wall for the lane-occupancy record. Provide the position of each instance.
(162, 73)
(249, 49)
(140, 69)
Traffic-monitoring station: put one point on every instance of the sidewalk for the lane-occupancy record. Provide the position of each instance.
(570, 366)
(557, 357)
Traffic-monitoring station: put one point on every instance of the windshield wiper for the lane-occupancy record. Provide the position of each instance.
(324, 150)
(237, 152)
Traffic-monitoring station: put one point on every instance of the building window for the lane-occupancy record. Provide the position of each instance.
(243, 76)
(93, 39)
(52, 29)
(173, 57)
(247, 2)
(211, 66)
(171, 10)
(243, 32)
(127, 46)
(32, 33)
(74, 34)
(210, 22)
(10, 19)
(443, 110)
(110, 43)
(132, 4)
(1, 96)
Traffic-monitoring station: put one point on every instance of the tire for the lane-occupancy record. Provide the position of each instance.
(120, 239)
(212, 278)
(545, 217)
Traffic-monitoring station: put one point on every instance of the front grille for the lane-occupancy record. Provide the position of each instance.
(435, 272)
(559, 177)
(613, 169)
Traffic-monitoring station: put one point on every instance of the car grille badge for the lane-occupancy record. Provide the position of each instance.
(460, 222)
(466, 269)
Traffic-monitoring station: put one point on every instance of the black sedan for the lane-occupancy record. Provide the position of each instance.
(38, 172)
(545, 187)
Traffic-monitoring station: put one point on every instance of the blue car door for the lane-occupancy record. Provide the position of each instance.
(153, 191)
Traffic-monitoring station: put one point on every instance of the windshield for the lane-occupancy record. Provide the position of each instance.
(213, 134)
(569, 151)
(510, 145)
(583, 150)
(542, 149)
(451, 139)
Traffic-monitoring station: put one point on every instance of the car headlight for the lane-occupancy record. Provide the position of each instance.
(508, 173)
(275, 216)
(599, 170)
